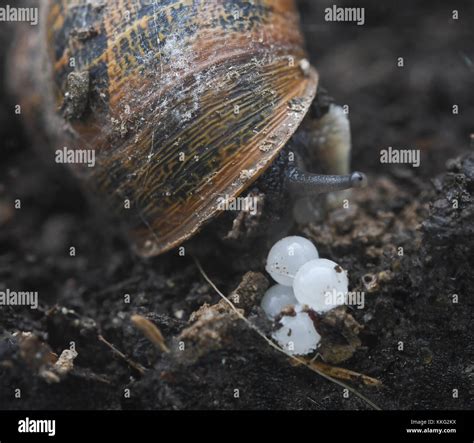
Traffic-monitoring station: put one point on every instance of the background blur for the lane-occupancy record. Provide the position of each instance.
(399, 107)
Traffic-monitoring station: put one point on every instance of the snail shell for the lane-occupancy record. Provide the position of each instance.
(183, 101)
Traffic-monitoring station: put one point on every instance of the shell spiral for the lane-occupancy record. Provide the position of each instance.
(188, 102)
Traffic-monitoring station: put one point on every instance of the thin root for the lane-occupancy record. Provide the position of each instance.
(137, 366)
(342, 373)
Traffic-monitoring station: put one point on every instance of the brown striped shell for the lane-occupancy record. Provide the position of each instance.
(188, 101)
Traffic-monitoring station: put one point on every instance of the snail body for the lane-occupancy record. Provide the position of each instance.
(183, 102)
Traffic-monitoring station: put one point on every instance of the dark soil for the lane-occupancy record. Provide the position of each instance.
(416, 335)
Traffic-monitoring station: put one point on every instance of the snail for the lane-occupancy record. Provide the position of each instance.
(181, 102)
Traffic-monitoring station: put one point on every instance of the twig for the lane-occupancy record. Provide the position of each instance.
(278, 348)
(344, 374)
(312, 400)
(137, 366)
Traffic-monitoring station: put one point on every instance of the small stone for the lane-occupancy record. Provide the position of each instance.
(305, 66)
(76, 97)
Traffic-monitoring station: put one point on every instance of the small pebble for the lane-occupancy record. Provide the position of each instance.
(179, 314)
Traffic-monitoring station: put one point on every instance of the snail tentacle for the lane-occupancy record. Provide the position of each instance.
(306, 183)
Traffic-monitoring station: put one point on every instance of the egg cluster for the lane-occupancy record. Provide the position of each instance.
(304, 281)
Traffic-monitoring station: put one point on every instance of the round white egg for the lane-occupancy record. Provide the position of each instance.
(287, 256)
(321, 284)
(297, 334)
(277, 298)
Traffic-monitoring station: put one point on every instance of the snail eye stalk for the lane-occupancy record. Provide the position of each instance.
(306, 183)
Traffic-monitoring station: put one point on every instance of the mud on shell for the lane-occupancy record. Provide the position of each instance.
(182, 96)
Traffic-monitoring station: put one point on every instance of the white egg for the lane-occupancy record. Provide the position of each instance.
(287, 256)
(297, 334)
(321, 284)
(276, 298)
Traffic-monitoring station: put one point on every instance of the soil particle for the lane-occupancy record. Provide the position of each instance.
(76, 97)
